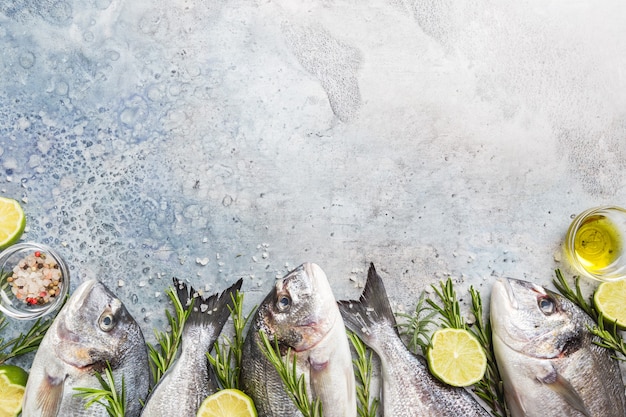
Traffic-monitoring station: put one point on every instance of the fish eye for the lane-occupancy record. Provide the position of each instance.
(546, 305)
(106, 322)
(283, 303)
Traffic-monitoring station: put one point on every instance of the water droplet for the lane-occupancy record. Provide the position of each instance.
(27, 60)
(113, 55)
(103, 4)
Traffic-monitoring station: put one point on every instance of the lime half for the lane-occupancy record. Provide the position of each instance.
(12, 383)
(456, 357)
(12, 222)
(227, 403)
(609, 300)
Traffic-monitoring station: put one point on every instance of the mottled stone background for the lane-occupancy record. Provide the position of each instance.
(214, 139)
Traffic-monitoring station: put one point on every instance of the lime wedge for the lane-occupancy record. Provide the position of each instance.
(12, 222)
(456, 357)
(12, 382)
(609, 300)
(227, 403)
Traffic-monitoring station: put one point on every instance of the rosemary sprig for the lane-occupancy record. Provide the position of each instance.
(24, 343)
(417, 326)
(451, 311)
(490, 388)
(226, 360)
(611, 337)
(575, 295)
(294, 385)
(162, 356)
(107, 396)
(3, 278)
(367, 406)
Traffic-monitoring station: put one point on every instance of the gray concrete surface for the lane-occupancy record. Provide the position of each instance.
(212, 140)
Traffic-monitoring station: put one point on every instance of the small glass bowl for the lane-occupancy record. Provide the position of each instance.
(19, 309)
(595, 243)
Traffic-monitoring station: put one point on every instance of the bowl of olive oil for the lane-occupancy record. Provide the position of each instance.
(594, 243)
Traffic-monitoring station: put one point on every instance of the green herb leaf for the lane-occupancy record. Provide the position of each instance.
(294, 384)
(576, 295)
(490, 388)
(609, 338)
(226, 360)
(417, 326)
(24, 343)
(450, 311)
(367, 406)
(162, 356)
(108, 396)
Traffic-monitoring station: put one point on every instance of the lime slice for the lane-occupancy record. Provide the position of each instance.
(12, 222)
(12, 382)
(227, 403)
(609, 300)
(456, 357)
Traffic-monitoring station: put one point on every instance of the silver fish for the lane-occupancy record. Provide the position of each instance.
(191, 379)
(302, 314)
(93, 328)
(546, 355)
(408, 388)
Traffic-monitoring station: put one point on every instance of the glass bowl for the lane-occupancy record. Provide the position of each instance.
(35, 287)
(595, 243)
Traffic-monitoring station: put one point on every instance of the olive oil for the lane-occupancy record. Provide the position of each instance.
(597, 243)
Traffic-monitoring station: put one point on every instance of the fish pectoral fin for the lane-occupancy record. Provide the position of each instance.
(559, 384)
(49, 395)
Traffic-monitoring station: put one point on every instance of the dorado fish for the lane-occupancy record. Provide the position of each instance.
(92, 329)
(191, 379)
(408, 388)
(302, 315)
(546, 355)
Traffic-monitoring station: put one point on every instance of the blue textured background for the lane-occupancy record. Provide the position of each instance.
(212, 140)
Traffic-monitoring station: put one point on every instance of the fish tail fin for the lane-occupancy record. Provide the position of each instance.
(213, 310)
(372, 309)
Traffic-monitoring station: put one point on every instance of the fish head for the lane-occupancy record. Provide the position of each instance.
(301, 308)
(94, 327)
(535, 321)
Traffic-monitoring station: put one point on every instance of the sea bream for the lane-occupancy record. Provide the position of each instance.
(408, 387)
(190, 379)
(546, 355)
(301, 313)
(92, 329)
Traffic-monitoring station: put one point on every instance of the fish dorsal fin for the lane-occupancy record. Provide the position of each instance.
(49, 395)
(559, 384)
